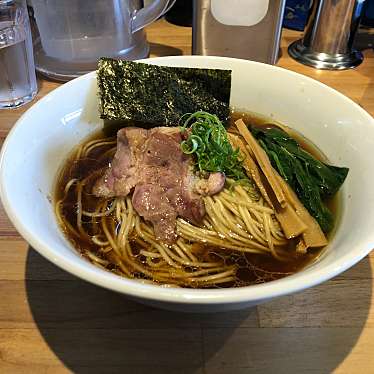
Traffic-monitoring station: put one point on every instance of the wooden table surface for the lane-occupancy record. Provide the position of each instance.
(52, 322)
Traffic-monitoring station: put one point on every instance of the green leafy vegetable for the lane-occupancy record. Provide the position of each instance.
(153, 95)
(207, 140)
(312, 180)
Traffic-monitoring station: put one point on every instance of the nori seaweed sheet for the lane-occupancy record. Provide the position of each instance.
(151, 95)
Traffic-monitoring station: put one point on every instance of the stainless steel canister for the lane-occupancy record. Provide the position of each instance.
(248, 29)
(329, 35)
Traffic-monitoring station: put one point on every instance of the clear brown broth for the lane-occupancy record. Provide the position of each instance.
(252, 268)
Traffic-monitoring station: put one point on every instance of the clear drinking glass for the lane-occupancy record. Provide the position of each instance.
(17, 71)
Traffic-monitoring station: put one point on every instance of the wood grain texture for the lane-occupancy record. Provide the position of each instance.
(54, 323)
(290, 350)
(7, 229)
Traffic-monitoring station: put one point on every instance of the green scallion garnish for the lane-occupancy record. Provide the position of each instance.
(208, 141)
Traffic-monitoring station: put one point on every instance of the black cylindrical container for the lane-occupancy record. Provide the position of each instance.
(180, 13)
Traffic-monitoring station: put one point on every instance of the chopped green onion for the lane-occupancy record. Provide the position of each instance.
(208, 141)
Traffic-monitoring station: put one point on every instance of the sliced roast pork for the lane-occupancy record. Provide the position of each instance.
(152, 165)
(151, 203)
(122, 174)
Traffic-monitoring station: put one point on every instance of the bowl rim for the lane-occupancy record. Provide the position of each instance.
(159, 293)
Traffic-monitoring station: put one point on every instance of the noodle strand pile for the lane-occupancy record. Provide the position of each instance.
(238, 222)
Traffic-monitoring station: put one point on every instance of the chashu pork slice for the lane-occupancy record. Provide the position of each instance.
(152, 165)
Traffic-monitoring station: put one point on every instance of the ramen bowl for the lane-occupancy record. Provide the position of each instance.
(41, 140)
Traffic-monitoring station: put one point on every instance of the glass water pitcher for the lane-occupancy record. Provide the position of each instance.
(70, 35)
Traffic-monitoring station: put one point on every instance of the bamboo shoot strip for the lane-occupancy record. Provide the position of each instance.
(262, 160)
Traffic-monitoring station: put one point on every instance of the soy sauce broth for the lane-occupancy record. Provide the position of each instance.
(253, 268)
(256, 120)
(80, 169)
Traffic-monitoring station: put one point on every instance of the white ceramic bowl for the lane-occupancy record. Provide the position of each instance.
(41, 139)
